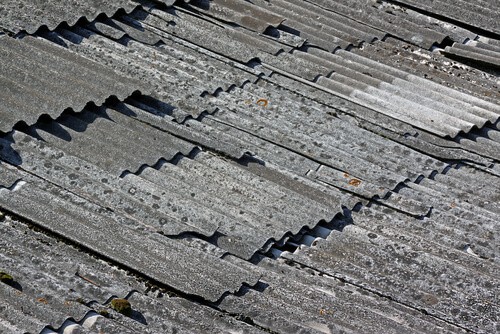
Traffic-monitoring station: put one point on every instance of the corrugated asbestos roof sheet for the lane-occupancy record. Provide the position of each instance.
(253, 167)
(44, 79)
(18, 15)
(482, 14)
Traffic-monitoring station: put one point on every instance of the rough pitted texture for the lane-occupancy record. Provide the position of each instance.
(19, 15)
(287, 167)
(57, 77)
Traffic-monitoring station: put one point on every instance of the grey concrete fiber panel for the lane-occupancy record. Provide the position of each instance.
(320, 27)
(118, 238)
(145, 202)
(198, 203)
(426, 22)
(8, 175)
(83, 283)
(156, 206)
(476, 55)
(350, 110)
(486, 111)
(363, 12)
(30, 251)
(434, 67)
(479, 47)
(315, 119)
(174, 315)
(196, 132)
(25, 313)
(121, 144)
(319, 302)
(485, 44)
(393, 92)
(249, 222)
(318, 17)
(30, 15)
(324, 133)
(483, 215)
(417, 278)
(292, 64)
(443, 234)
(308, 149)
(465, 210)
(367, 75)
(172, 72)
(39, 77)
(481, 14)
(484, 194)
(481, 145)
(242, 45)
(126, 26)
(326, 154)
(240, 12)
(449, 259)
(264, 208)
(490, 109)
(151, 67)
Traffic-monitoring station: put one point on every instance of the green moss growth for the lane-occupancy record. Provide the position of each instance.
(122, 306)
(6, 278)
(104, 313)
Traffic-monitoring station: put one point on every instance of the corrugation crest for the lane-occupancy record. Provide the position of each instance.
(27, 15)
(39, 77)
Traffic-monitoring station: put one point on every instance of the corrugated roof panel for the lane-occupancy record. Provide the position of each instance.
(406, 97)
(108, 190)
(114, 237)
(60, 79)
(186, 196)
(186, 81)
(188, 26)
(120, 157)
(482, 14)
(365, 13)
(21, 15)
(8, 175)
(318, 302)
(407, 102)
(476, 54)
(240, 12)
(82, 287)
(434, 67)
(287, 127)
(444, 241)
(261, 171)
(325, 29)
